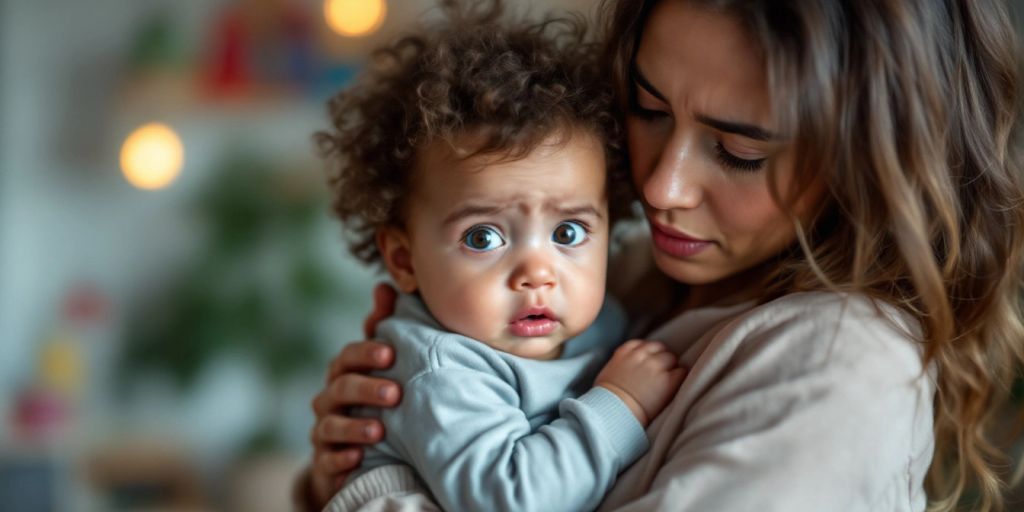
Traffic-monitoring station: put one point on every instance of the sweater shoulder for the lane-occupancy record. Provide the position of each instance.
(424, 348)
(822, 330)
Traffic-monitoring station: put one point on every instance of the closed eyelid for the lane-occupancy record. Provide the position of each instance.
(740, 149)
(641, 82)
(645, 100)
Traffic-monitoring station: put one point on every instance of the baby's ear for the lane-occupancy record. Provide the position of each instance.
(396, 251)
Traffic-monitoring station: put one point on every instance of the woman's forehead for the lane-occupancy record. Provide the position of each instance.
(705, 59)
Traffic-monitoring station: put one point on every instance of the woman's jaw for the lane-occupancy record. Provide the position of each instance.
(705, 265)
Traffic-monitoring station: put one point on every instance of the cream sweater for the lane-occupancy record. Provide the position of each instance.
(812, 402)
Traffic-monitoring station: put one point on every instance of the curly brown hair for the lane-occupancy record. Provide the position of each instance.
(511, 83)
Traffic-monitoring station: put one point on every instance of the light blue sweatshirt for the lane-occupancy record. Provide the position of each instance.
(487, 430)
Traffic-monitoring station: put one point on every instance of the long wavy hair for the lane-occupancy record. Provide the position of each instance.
(906, 109)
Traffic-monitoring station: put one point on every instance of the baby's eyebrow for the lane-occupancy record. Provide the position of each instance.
(472, 210)
(575, 211)
(477, 210)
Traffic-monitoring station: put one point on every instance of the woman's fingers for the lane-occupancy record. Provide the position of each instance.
(384, 297)
(353, 389)
(361, 356)
(335, 462)
(339, 430)
(334, 429)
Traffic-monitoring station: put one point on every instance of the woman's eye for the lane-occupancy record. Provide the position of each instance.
(569, 233)
(734, 162)
(646, 114)
(483, 238)
(641, 112)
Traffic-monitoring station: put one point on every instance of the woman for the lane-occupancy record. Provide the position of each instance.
(831, 190)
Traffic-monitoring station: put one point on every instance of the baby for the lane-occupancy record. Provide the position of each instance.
(473, 161)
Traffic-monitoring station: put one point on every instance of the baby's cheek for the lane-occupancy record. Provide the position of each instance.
(470, 310)
(586, 294)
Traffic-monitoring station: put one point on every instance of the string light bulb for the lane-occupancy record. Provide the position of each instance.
(152, 156)
(354, 18)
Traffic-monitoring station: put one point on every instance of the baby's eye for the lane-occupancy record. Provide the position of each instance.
(483, 238)
(569, 233)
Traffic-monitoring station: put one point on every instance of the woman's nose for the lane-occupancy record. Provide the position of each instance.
(676, 181)
(533, 272)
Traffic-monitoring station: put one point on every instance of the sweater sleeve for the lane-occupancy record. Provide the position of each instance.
(466, 437)
(793, 411)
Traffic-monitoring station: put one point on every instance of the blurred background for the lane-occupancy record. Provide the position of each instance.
(171, 282)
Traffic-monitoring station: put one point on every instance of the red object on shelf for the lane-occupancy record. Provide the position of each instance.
(258, 46)
(226, 68)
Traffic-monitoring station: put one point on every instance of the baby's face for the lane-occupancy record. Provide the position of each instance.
(512, 253)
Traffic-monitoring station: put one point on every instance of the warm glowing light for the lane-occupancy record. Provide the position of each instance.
(151, 156)
(354, 17)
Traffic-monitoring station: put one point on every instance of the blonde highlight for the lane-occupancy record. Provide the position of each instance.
(907, 110)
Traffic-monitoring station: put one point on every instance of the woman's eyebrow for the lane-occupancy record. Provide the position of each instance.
(743, 129)
(642, 81)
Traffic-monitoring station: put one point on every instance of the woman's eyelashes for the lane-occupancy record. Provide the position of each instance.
(644, 113)
(732, 161)
(647, 114)
(723, 155)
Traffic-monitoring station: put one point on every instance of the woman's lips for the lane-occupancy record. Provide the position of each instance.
(532, 322)
(676, 243)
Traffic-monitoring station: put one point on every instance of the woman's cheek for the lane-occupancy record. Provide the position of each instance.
(643, 152)
(757, 225)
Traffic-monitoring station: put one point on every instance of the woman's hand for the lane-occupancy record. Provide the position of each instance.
(337, 439)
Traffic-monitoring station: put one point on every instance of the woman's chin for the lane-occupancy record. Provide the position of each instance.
(693, 273)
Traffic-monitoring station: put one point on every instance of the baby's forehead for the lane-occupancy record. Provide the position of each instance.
(557, 172)
(513, 138)
(524, 206)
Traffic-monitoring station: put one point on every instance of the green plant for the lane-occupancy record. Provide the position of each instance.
(255, 289)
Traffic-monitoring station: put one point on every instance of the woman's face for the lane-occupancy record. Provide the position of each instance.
(701, 136)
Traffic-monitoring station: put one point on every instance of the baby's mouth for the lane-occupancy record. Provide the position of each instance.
(532, 322)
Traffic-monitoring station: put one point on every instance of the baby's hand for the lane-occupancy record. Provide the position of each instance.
(645, 375)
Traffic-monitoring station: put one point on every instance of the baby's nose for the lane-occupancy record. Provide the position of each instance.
(533, 273)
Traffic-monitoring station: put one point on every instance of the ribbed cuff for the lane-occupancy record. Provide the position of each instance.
(617, 423)
(381, 481)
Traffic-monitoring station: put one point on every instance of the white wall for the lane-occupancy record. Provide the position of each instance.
(71, 218)
(67, 216)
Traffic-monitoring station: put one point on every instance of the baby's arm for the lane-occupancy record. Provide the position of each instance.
(466, 436)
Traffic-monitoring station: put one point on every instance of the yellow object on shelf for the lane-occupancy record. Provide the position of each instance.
(355, 17)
